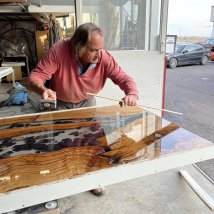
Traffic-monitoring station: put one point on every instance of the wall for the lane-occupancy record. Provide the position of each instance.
(146, 68)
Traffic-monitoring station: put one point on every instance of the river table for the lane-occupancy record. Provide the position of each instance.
(46, 156)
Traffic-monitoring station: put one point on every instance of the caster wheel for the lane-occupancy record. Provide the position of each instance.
(50, 205)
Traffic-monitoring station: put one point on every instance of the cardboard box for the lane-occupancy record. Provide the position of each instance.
(55, 211)
(17, 73)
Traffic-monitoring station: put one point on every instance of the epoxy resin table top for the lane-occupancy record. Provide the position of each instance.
(45, 147)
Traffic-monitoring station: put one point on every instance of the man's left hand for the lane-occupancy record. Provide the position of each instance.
(129, 100)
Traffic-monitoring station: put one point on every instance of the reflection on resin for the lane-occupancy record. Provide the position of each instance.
(55, 134)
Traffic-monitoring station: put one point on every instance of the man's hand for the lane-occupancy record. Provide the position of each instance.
(129, 100)
(48, 94)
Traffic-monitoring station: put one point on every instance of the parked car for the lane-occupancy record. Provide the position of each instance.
(209, 43)
(188, 53)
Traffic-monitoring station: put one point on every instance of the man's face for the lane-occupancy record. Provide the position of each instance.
(93, 48)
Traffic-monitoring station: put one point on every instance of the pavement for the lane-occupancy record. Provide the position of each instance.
(160, 193)
(189, 89)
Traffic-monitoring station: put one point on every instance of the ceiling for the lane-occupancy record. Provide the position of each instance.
(16, 17)
(19, 11)
(13, 10)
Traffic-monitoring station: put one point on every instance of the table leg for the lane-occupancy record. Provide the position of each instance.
(13, 77)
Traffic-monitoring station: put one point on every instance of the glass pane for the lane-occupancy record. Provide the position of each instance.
(67, 25)
(124, 22)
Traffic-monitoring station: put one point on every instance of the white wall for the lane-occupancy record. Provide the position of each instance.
(146, 68)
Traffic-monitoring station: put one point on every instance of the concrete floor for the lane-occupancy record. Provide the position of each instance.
(165, 192)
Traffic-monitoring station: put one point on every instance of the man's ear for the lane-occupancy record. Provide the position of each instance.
(80, 52)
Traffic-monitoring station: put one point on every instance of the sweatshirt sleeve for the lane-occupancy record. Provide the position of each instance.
(119, 77)
(45, 68)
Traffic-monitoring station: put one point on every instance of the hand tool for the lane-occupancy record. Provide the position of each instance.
(47, 104)
(18, 96)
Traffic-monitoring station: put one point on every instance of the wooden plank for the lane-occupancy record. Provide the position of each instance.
(17, 73)
(12, 1)
(72, 114)
(33, 169)
(9, 133)
(55, 211)
(117, 134)
(126, 149)
(16, 172)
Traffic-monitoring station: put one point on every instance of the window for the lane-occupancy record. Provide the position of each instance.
(68, 25)
(190, 48)
(211, 41)
(127, 24)
(198, 48)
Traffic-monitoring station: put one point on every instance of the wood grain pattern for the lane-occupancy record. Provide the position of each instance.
(12, 1)
(27, 170)
(127, 149)
(73, 114)
(104, 138)
(9, 133)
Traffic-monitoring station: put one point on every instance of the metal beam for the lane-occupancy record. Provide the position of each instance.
(78, 12)
(10, 9)
(163, 25)
(12, 1)
(51, 9)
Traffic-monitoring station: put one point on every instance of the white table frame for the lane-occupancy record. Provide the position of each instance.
(4, 71)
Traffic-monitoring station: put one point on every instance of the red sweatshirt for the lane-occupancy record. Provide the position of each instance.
(60, 65)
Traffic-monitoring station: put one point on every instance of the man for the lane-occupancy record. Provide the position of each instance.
(79, 65)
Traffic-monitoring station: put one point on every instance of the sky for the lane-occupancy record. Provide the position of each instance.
(190, 18)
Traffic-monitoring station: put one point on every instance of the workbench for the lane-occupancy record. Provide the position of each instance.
(17, 59)
(4, 71)
(47, 156)
(16, 67)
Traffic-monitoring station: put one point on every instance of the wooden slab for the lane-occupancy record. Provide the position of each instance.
(72, 114)
(41, 148)
(30, 169)
(12, 1)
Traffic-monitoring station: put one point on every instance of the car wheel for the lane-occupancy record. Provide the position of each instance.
(204, 60)
(173, 63)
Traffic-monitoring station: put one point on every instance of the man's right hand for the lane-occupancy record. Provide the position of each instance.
(48, 94)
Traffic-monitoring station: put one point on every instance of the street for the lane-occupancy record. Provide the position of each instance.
(190, 90)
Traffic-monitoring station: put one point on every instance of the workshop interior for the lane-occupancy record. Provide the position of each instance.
(30, 28)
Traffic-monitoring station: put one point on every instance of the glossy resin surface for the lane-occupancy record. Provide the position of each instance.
(45, 147)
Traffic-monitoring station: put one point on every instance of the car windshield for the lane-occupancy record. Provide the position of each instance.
(210, 41)
(179, 48)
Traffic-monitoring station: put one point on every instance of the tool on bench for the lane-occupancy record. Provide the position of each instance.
(161, 109)
(47, 104)
(18, 96)
(44, 105)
